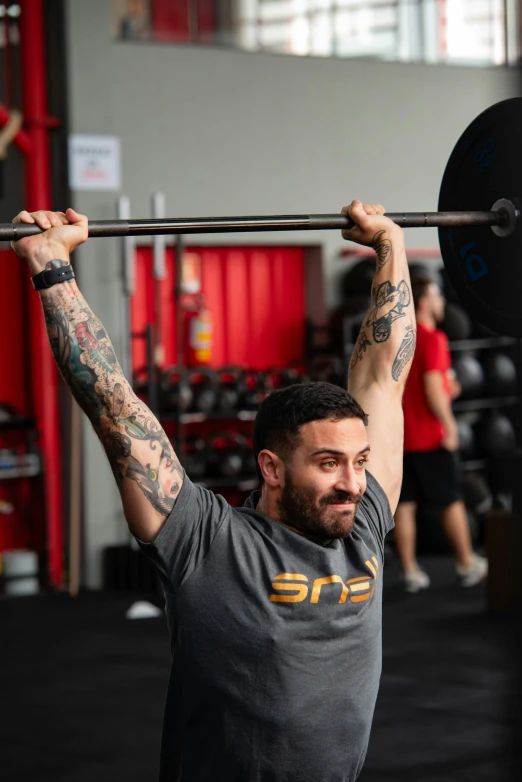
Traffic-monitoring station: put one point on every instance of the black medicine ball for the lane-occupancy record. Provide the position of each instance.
(476, 492)
(496, 436)
(470, 375)
(500, 375)
(456, 323)
(467, 444)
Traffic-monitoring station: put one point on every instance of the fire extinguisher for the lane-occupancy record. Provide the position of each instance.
(197, 332)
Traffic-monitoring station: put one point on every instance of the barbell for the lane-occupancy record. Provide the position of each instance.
(480, 188)
(498, 217)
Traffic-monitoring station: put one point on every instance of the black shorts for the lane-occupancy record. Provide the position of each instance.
(430, 478)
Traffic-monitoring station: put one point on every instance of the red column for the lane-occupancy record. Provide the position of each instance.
(38, 196)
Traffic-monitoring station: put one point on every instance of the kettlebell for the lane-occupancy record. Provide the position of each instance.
(175, 393)
(282, 377)
(204, 385)
(249, 460)
(195, 457)
(293, 373)
(273, 378)
(225, 456)
(231, 387)
(254, 390)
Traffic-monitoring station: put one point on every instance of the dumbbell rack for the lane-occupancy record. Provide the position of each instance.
(175, 423)
(242, 483)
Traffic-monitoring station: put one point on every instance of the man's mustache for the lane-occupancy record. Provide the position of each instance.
(339, 498)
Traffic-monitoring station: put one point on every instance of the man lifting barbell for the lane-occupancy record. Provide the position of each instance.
(274, 608)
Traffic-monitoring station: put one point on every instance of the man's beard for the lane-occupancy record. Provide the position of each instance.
(314, 517)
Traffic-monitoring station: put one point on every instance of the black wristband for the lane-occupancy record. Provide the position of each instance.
(50, 277)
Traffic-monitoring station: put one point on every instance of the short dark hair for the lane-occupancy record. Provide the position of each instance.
(419, 287)
(284, 411)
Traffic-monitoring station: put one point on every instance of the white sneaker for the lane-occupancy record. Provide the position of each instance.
(415, 580)
(476, 572)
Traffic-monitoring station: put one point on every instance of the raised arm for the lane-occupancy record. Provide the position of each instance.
(384, 350)
(148, 474)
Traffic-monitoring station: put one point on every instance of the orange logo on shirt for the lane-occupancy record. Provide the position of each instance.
(295, 586)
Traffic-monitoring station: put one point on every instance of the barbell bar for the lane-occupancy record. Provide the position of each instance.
(497, 217)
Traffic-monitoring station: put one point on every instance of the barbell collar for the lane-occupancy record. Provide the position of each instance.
(201, 225)
(511, 212)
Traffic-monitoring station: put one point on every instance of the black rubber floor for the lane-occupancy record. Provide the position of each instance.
(82, 688)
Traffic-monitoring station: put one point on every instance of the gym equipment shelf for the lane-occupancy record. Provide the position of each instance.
(469, 405)
(482, 344)
(18, 466)
(21, 461)
(218, 415)
(17, 422)
(474, 464)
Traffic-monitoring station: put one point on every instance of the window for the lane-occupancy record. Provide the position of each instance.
(475, 32)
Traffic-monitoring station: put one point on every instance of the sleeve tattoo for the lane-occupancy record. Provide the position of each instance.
(87, 361)
(383, 250)
(389, 303)
(405, 352)
(360, 348)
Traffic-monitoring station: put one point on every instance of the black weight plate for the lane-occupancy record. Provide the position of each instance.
(485, 269)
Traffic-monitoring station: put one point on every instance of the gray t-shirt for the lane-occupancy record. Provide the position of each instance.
(276, 642)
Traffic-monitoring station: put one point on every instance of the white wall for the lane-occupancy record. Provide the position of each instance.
(230, 133)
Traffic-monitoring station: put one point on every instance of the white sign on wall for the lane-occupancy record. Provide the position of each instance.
(94, 162)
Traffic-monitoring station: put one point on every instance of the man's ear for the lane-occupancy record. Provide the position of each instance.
(271, 468)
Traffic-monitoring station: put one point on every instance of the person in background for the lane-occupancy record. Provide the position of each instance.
(430, 470)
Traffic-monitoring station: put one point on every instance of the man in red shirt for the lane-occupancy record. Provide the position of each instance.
(430, 472)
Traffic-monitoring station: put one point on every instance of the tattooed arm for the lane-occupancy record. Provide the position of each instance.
(382, 355)
(148, 474)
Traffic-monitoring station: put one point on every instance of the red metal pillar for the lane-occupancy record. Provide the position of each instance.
(38, 196)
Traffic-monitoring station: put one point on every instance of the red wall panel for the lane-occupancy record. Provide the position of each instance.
(206, 20)
(13, 329)
(256, 297)
(170, 20)
(22, 527)
(213, 276)
(235, 301)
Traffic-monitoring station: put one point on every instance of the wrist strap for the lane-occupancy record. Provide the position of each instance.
(50, 277)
